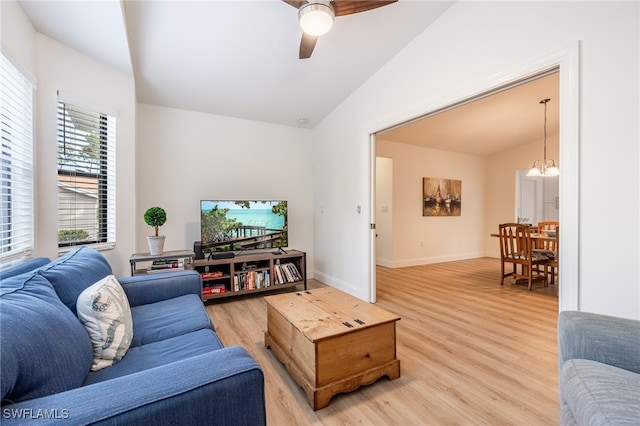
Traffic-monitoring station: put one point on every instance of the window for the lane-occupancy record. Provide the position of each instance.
(16, 164)
(86, 177)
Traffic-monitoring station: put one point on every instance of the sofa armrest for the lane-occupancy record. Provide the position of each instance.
(221, 387)
(151, 288)
(606, 339)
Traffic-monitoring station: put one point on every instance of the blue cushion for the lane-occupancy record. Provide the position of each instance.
(24, 267)
(159, 353)
(43, 347)
(74, 272)
(168, 318)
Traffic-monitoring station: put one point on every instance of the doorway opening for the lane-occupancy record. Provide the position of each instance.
(566, 64)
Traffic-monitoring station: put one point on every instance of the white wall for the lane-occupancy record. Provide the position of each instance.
(184, 157)
(422, 240)
(18, 38)
(87, 83)
(476, 42)
(488, 185)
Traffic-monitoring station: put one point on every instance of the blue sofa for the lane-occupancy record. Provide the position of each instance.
(599, 369)
(176, 370)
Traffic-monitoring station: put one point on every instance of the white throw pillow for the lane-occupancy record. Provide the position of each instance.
(103, 309)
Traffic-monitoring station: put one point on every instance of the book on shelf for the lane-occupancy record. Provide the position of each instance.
(251, 280)
(286, 273)
(214, 289)
(165, 265)
(209, 275)
(295, 274)
(276, 275)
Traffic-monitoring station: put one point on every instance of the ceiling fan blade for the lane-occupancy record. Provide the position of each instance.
(307, 45)
(348, 7)
(295, 3)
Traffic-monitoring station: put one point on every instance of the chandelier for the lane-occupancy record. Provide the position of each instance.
(544, 167)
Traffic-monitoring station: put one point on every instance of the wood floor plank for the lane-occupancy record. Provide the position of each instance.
(471, 352)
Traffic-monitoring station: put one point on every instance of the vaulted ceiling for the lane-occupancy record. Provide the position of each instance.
(235, 58)
(240, 59)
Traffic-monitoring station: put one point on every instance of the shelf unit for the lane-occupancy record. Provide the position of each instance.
(250, 273)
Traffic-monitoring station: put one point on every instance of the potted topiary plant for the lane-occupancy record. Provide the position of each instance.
(155, 217)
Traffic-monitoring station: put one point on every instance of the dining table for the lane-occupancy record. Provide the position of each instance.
(534, 236)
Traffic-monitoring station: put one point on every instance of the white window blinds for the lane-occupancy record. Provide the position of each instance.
(86, 176)
(16, 184)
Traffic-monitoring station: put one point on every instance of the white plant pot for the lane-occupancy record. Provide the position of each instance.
(156, 245)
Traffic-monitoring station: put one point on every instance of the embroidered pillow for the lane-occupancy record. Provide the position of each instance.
(104, 311)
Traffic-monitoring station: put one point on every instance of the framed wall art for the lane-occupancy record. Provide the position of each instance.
(441, 197)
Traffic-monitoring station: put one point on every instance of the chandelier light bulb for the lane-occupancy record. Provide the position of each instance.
(534, 171)
(553, 170)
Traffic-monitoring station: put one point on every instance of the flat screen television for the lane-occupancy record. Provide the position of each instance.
(239, 225)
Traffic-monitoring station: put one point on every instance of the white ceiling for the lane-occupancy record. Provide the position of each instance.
(488, 125)
(239, 58)
(234, 58)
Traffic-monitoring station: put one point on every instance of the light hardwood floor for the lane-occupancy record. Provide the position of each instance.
(471, 352)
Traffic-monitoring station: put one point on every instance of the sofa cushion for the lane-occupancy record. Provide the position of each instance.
(24, 267)
(75, 271)
(168, 318)
(104, 311)
(600, 394)
(159, 353)
(43, 347)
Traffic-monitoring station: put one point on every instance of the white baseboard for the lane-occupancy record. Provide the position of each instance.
(340, 284)
(426, 260)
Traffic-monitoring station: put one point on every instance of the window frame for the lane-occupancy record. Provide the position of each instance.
(16, 164)
(104, 176)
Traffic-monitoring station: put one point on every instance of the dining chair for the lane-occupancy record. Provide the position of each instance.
(554, 263)
(516, 248)
(543, 227)
(549, 248)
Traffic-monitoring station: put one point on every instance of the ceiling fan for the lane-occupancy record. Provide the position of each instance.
(316, 17)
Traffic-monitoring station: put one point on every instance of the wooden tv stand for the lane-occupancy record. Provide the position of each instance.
(253, 272)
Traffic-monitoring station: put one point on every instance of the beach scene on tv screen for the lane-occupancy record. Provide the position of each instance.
(243, 225)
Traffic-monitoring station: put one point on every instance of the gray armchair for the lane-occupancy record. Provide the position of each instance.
(599, 369)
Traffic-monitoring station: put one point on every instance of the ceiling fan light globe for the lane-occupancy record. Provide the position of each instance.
(316, 19)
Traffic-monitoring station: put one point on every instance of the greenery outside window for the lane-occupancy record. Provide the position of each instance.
(16, 164)
(86, 177)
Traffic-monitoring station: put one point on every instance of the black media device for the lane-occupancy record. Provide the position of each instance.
(197, 249)
(221, 255)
